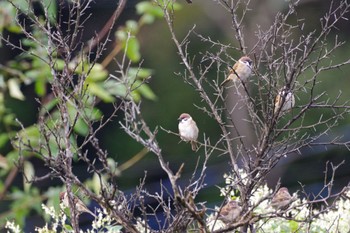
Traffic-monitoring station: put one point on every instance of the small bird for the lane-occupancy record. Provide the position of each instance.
(241, 70)
(80, 207)
(230, 212)
(288, 103)
(282, 199)
(188, 130)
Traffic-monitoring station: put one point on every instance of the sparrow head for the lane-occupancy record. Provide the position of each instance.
(247, 61)
(184, 117)
(230, 211)
(283, 191)
(232, 204)
(284, 91)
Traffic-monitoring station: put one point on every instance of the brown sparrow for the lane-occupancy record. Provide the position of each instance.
(230, 212)
(241, 70)
(288, 99)
(188, 130)
(282, 199)
(79, 205)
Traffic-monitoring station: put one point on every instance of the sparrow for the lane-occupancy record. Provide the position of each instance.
(229, 212)
(240, 71)
(79, 205)
(288, 99)
(188, 130)
(282, 199)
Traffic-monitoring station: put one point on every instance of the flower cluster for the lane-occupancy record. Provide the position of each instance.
(298, 217)
(58, 222)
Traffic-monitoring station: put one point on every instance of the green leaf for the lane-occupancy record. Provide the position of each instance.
(114, 229)
(96, 183)
(139, 72)
(99, 91)
(145, 91)
(294, 226)
(29, 173)
(115, 88)
(136, 96)
(68, 227)
(48, 106)
(133, 49)
(4, 139)
(14, 88)
(147, 7)
(30, 135)
(121, 35)
(132, 27)
(51, 7)
(97, 73)
(81, 127)
(93, 114)
(147, 19)
(40, 87)
(59, 64)
(23, 5)
(10, 119)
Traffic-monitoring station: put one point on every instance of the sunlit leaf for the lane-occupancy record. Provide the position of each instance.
(29, 135)
(100, 92)
(139, 72)
(29, 173)
(147, 19)
(135, 96)
(40, 87)
(114, 229)
(132, 26)
(97, 73)
(149, 8)
(133, 49)
(115, 88)
(121, 35)
(14, 89)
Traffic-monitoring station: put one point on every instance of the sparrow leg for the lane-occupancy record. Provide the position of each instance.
(194, 145)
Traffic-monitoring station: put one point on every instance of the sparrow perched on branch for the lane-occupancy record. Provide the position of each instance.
(240, 71)
(188, 130)
(286, 97)
(230, 212)
(80, 207)
(282, 199)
